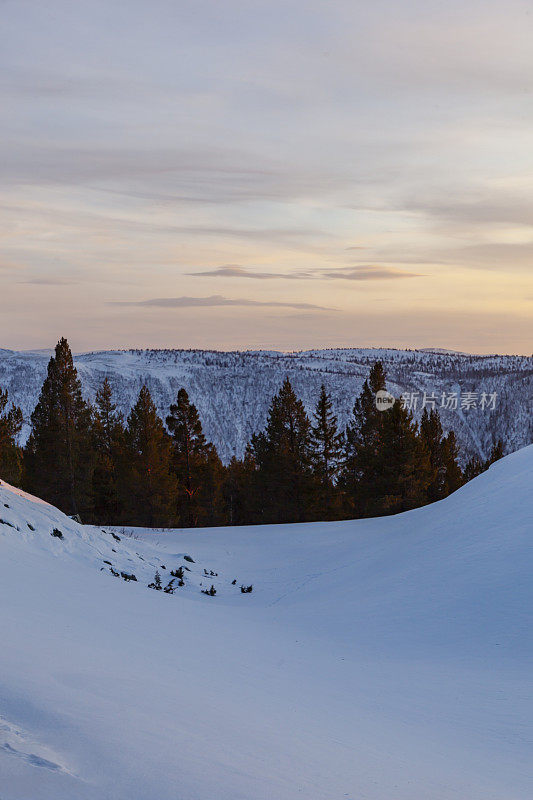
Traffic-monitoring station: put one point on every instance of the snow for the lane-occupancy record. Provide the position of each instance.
(233, 390)
(383, 659)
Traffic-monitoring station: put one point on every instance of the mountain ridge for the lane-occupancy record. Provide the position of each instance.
(233, 389)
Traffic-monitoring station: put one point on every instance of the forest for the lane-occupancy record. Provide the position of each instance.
(92, 463)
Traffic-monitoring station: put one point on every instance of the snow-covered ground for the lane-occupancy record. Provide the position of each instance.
(385, 659)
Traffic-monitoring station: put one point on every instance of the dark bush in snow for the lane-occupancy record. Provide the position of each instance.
(57, 533)
(156, 583)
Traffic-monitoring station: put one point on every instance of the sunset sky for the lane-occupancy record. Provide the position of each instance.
(282, 175)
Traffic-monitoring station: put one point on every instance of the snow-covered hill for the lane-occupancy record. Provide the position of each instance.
(233, 390)
(376, 659)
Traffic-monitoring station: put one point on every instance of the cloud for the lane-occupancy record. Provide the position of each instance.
(474, 205)
(51, 281)
(236, 271)
(369, 273)
(215, 300)
(356, 273)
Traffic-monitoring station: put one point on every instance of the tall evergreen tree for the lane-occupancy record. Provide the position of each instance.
(387, 466)
(147, 487)
(454, 473)
(363, 444)
(195, 464)
(446, 474)
(495, 454)
(283, 456)
(108, 441)
(58, 456)
(11, 421)
(404, 472)
(327, 445)
(474, 467)
(239, 491)
(432, 435)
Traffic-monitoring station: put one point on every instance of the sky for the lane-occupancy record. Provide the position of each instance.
(281, 175)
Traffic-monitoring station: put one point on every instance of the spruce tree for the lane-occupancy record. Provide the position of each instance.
(495, 454)
(432, 435)
(474, 467)
(446, 475)
(108, 441)
(58, 456)
(147, 487)
(404, 472)
(195, 464)
(454, 474)
(283, 456)
(363, 444)
(10, 453)
(327, 449)
(239, 495)
(387, 467)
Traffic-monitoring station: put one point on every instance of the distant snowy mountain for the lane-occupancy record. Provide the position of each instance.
(233, 390)
(385, 659)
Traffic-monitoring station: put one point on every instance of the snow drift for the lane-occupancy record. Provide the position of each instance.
(380, 659)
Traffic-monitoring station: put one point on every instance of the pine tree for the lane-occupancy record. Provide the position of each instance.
(10, 453)
(195, 464)
(327, 449)
(58, 456)
(454, 473)
(495, 454)
(363, 444)
(147, 487)
(283, 456)
(473, 468)
(387, 467)
(108, 441)
(239, 491)
(446, 475)
(404, 472)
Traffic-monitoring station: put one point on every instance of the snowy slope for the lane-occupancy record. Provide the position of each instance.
(233, 390)
(385, 659)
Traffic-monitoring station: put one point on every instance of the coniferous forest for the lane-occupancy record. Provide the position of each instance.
(144, 471)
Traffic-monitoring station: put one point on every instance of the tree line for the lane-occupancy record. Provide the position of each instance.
(90, 461)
